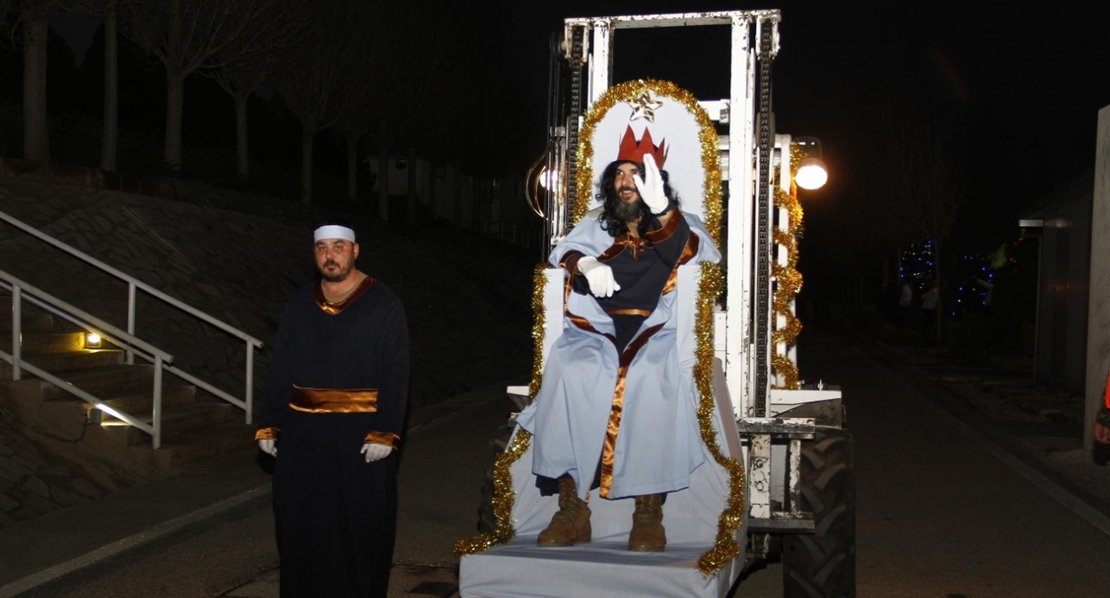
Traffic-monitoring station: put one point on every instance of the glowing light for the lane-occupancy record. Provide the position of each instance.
(812, 174)
(92, 341)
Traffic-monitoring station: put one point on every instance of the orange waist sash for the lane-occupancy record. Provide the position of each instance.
(334, 400)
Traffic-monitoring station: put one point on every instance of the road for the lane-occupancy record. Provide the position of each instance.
(940, 513)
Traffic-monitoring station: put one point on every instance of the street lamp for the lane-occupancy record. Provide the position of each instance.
(812, 173)
(800, 166)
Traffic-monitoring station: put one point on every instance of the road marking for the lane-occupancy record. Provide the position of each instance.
(163, 529)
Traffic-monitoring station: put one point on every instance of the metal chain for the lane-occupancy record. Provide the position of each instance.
(763, 240)
(577, 60)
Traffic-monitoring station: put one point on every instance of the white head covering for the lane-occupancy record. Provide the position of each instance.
(334, 231)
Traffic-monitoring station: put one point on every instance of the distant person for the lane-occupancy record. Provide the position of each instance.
(905, 303)
(334, 404)
(929, 312)
(614, 410)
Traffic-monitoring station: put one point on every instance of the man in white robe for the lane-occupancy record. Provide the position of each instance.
(616, 408)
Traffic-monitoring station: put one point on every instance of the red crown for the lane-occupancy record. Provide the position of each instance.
(634, 150)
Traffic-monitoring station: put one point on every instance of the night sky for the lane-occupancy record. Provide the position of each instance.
(1020, 87)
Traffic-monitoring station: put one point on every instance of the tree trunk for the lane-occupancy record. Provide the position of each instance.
(940, 295)
(306, 166)
(412, 198)
(175, 110)
(109, 147)
(36, 135)
(383, 171)
(352, 168)
(458, 200)
(242, 138)
(431, 182)
(383, 182)
(476, 207)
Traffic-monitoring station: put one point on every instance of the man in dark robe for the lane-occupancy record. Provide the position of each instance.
(334, 403)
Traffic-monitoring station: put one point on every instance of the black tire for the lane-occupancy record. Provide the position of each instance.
(823, 564)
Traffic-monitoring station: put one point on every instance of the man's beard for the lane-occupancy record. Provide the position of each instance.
(629, 211)
(339, 276)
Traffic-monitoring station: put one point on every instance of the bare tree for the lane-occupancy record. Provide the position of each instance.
(107, 9)
(244, 69)
(310, 84)
(189, 35)
(363, 90)
(422, 36)
(923, 186)
(34, 27)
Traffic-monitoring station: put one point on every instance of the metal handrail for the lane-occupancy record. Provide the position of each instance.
(128, 339)
(89, 322)
(131, 281)
(77, 316)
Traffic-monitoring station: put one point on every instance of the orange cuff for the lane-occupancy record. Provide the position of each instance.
(386, 438)
(267, 434)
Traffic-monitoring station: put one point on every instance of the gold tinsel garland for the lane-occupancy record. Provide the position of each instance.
(707, 136)
(503, 498)
(787, 275)
(539, 321)
(503, 494)
(725, 548)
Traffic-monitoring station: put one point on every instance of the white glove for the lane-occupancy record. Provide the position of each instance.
(268, 446)
(650, 187)
(600, 276)
(375, 452)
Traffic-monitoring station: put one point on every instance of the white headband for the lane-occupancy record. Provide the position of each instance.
(334, 231)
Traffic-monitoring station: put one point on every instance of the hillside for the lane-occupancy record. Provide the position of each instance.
(467, 297)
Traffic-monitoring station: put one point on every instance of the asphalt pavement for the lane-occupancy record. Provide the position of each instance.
(208, 532)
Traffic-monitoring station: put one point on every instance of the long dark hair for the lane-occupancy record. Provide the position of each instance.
(610, 199)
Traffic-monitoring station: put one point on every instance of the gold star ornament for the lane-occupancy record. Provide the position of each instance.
(643, 106)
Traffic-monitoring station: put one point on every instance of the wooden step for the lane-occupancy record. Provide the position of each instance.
(143, 402)
(175, 421)
(104, 382)
(33, 318)
(44, 343)
(58, 363)
(36, 321)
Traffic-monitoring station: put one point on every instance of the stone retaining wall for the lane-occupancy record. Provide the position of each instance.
(467, 298)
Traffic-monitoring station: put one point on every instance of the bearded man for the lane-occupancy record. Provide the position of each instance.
(615, 408)
(334, 403)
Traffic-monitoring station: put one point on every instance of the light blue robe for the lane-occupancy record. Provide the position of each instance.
(658, 442)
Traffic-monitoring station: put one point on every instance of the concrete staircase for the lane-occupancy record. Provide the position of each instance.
(111, 451)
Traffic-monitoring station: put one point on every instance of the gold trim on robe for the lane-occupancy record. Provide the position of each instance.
(688, 254)
(570, 262)
(386, 438)
(617, 410)
(334, 308)
(334, 400)
(629, 312)
(270, 433)
(624, 241)
(666, 231)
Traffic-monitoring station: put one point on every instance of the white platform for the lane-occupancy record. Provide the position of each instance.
(605, 566)
(520, 569)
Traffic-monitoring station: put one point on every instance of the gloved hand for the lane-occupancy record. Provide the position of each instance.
(650, 186)
(599, 275)
(374, 452)
(268, 446)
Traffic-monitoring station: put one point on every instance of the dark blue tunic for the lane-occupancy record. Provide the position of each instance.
(335, 514)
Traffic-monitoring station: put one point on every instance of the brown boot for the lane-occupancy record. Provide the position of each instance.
(571, 523)
(647, 525)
